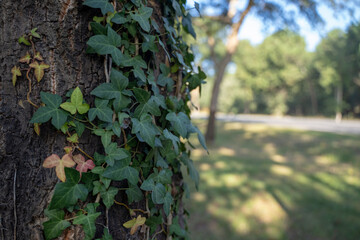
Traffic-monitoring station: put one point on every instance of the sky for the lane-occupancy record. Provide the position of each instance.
(253, 29)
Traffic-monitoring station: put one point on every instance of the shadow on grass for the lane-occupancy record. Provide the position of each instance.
(268, 183)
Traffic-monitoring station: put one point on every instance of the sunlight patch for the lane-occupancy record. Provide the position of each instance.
(226, 151)
(281, 170)
(278, 158)
(205, 167)
(198, 197)
(220, 165)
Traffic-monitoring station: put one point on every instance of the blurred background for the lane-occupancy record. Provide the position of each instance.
(280, 112)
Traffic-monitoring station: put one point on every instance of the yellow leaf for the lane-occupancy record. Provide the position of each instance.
(55, 161)
(37, 128)
(39, 69)
(38, 56)
(134, 224)
(26, 58)
(16, 73)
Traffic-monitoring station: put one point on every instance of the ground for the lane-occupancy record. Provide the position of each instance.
(261, 182)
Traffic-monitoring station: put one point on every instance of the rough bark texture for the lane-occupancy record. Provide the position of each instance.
(63, 26)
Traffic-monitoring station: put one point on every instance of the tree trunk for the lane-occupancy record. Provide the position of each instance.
(339, 98)
(26, 187)
(211, 126)
(231, 46)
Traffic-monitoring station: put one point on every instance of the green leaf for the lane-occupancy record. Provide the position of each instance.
(153, 222)
(56, 223)
(174, 139)
(39, 69)
(114, 38)
(121, 170)
(168, 200)
(158, 194)
(145, 128)
(149, 107)
(98, 29)
(98, 187)
(119, 18)
(88, 178)
(148, 184)
(23, 40)
(177, 8)
(191, 169)
(200, 136)
(106, 235)
(115, 153)
(106, 91)
(88, 223)
(34, 33)
(104, 5)
(186, 22)
(103, 112)
(104, 45)
(142, 17)
(164, 176)
(105, 136)
(50, 111)
(180, 122)
(67, 194)
(139, 73)
(118, 80)
(108, 196)
(76, 103)
(141, 95)
(134, 193)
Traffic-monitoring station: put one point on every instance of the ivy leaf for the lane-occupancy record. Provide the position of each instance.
(177, 8)
(167, 203)
(67, 194)
(105, 136)
(106, 235)
(153, 222)
(108, 196)
(82, 165)
(121, 170)
(186, 22)
(39, 69)
(134, 224)
(102, 111)
(51, 110)
(201, 138)
(104, 5)
(15, 73)
(76, 103)
(141, 95)
(180, 122)
(23, 40)
(56, 223)
(139, 73)
(158, 194)
(26, 58)
(38, 56)
(34, 33)
(149, 107)
(142, 17)
(118, 80)
(145, 128)
(174, 139)
(134, 193)
(104, 45)
(115, 153)
(97, 28)
(191, 169)
(88, 223)
(164, 176)
(73, 139)
(88, 178)
(148, 184)
(59, 164)
(119, 18)
(106, 91)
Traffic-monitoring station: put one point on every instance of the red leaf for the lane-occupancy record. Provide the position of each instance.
(82, 165)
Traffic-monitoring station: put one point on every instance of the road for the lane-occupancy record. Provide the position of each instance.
(312, 124)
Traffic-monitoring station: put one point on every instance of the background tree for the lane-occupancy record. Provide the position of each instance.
(278, 13)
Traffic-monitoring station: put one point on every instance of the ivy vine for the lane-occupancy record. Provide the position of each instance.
(141, 116)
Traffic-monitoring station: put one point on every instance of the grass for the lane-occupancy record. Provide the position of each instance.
(267, 183)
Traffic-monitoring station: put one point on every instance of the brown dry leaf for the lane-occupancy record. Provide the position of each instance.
(55, 161)
(134, 224)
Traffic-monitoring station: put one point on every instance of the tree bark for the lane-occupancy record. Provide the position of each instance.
(26, 187)
(231, 46)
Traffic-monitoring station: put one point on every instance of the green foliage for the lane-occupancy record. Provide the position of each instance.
(139, 114)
